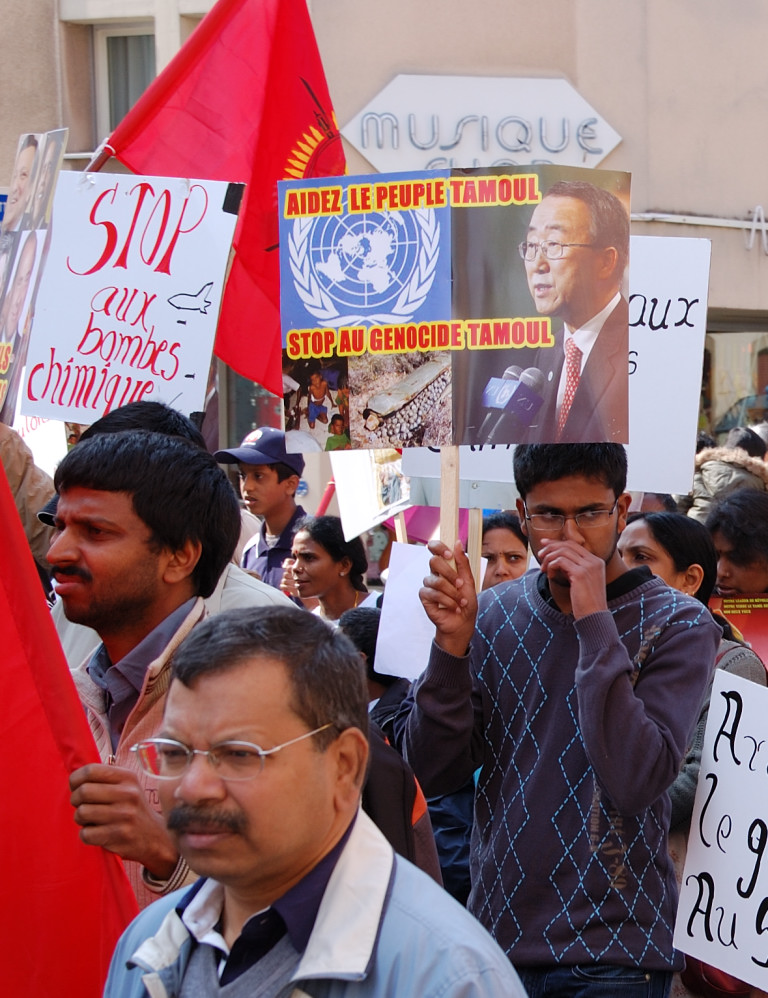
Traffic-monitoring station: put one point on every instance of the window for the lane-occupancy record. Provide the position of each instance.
(125, 66)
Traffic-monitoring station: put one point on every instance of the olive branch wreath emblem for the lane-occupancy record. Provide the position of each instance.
(321, 305)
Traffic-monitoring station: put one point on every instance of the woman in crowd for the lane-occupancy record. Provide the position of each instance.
(680, 551)
(740, 464)
(505, 547)
(326, 567)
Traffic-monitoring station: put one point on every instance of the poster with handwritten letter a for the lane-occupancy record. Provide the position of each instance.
(723, 913)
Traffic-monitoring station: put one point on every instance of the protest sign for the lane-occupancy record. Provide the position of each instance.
(128, 303)
(370, 487)
(402, 613)
(749, 615)
(669, 283)
(423, 309)
(24, 244)
(723, 912)
(669, 280)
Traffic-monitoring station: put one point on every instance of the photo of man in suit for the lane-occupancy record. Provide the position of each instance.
(575, 253)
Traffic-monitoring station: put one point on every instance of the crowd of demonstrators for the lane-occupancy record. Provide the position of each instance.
(557, 727)
(575, 689)
(300, 892)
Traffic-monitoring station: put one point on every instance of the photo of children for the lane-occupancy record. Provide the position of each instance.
(316, 400)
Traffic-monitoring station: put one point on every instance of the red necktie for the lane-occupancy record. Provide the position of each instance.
(572, 375)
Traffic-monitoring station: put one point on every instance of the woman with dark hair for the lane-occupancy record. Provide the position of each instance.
(505, 548)
(680, 551)
(327, 567)
(675, 547)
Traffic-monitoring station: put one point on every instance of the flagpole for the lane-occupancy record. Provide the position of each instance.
(103, 154)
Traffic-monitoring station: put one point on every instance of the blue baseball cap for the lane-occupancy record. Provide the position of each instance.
(263, 446)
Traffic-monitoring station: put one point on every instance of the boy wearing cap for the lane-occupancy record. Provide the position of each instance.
(269, 477)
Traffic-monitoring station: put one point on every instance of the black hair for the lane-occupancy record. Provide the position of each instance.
(687, 542)
(327, 532)
(324, 669)
(742, 518)
(146, 415)
(746, 439)
(505, 520)
(361, 625)
(536, 463)
(283, 471)
(177, 490)
(666, 500)
(609, 221)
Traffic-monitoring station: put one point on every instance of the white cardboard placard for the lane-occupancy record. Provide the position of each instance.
(669, 280)
(723, 912)
(129, 299)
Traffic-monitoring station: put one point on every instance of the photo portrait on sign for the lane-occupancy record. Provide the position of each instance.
(15, 319)
(560, 269)
(51, 154)
(470, 306)
(22, 184)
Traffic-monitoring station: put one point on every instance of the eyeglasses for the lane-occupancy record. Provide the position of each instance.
(550, 249)
(167, 759)
(545, 523)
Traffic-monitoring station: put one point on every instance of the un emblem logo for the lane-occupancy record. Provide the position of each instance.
(375, 268)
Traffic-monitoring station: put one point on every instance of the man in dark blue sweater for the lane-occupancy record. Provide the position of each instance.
(575, 689)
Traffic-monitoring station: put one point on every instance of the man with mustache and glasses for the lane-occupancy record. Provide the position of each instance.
(259, 767)
(145, 525)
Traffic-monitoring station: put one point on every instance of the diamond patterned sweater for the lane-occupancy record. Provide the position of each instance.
(578, 727)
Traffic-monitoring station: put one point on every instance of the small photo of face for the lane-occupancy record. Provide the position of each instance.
(50, 165)
(22, 181)
(18, 289)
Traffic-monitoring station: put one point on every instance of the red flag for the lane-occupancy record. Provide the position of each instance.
(63, 904)
(245, 99)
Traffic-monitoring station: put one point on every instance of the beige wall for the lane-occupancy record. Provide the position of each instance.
(29, 72)
(684, 82)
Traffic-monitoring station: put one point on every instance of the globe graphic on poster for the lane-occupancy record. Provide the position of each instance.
(365, 261)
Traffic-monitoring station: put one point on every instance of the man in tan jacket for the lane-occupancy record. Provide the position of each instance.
(145, 525)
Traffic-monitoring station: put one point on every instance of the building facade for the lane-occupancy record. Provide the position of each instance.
(682, 82)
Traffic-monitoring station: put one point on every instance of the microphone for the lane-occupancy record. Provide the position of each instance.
(496, 394)
(520, 410)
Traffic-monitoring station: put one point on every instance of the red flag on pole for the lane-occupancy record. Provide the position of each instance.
(63, 904)
(245, 99)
